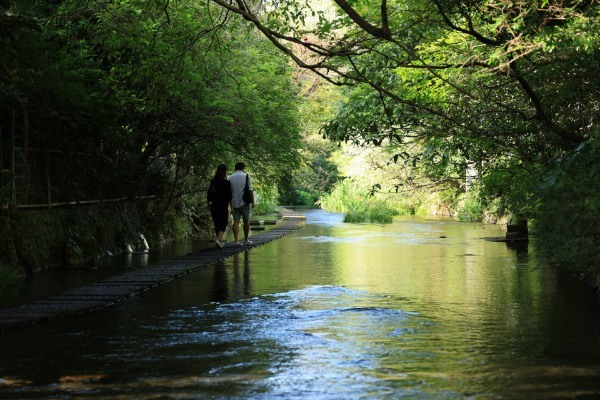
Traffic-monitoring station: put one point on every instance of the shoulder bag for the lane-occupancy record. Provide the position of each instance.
(247, 196)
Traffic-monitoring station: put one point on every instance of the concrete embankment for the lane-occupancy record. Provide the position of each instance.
(120, 287)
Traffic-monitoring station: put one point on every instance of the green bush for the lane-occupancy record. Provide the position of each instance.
(363, 204)
(471, 210)
(567, 224)
(375, 212)
(306, 198)
(346, 196)
(265, 199)
(355, 217)
(380, 213)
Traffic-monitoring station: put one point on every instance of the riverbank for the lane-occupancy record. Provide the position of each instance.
(120, 287)
(37, 240)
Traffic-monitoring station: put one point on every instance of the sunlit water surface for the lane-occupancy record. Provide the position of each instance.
(419, 309)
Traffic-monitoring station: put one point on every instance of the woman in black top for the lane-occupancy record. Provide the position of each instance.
(219, 199)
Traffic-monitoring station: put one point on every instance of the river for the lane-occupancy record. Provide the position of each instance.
(417, 309)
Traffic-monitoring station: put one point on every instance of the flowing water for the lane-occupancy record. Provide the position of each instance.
(418, 309)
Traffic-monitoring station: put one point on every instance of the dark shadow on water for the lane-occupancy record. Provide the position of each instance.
(239, 273)
(521, 247)
(52, 281)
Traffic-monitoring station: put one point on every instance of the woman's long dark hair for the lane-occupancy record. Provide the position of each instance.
(221, 172)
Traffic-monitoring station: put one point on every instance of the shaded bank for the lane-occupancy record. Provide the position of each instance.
(38, 239)
(567, 223)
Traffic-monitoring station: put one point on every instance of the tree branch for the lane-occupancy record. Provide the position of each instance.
(382, 33)
(541, 115)
(166, 9)
(470, 31)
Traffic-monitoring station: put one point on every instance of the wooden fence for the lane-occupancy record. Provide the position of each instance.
(41, 179)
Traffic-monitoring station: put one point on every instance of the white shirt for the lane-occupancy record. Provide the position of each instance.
(238, 181)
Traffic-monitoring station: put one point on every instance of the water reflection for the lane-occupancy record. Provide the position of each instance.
(239, 288)
(415, 309)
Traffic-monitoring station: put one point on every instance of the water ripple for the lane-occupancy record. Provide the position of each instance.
(316, 338)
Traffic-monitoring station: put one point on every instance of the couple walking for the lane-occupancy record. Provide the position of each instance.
(226, 194)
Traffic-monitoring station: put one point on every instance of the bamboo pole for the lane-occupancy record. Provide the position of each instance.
(83, 202)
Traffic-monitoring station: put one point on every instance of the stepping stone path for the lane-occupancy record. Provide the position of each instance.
(106, 293)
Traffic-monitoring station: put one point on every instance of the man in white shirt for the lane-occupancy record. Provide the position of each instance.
(241, 209)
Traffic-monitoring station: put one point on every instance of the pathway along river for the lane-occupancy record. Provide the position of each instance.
(421, 308)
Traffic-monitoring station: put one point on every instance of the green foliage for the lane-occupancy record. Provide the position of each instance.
(297, 196)
(374, 212)
(567, 224)
(439, 202)
(511, 190)
(11, 277)
(347, 196)
(506, 86)
(142, 98)
(471, 209)
(180, 227)
(265, 198)
(313, 179)
(358, 203)
(355, 217)
(317, 173)
(372, 175)
(379, 212)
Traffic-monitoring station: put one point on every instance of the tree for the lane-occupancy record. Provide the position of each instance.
(147, 97)
(482, 81)
(133, 103)
(11, 27)
(317, 174)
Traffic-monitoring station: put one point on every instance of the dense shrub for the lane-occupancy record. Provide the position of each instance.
(374, 212)
(380, 213)
(567, 226)
(471, 210)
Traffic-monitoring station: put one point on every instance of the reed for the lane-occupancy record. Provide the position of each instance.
(376, 213)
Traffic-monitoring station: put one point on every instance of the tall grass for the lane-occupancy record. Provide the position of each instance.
(381, 213)
(377, 213)
(355, 217)
(346, 196)
(360, 205)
